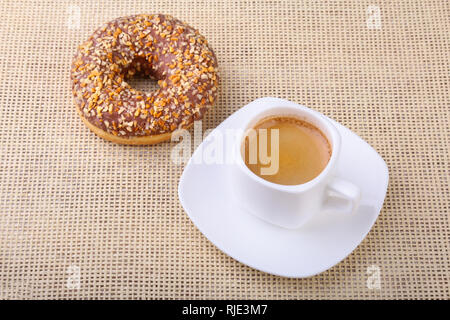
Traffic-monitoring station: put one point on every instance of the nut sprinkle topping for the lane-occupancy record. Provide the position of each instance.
(156, 46)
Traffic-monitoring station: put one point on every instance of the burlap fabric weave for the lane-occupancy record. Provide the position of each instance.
(71, 202)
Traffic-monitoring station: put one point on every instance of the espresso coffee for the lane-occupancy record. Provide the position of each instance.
(295, 153)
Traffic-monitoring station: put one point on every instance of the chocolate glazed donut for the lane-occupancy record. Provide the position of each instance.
(157, 46)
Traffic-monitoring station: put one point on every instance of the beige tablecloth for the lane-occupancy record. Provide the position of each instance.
(72, 204)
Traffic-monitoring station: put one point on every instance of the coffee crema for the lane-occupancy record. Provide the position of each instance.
(302, 154)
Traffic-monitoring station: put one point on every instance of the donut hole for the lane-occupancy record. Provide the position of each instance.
(141, 76)
(142, 83)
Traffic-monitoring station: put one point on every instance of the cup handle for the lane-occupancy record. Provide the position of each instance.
(341, 197)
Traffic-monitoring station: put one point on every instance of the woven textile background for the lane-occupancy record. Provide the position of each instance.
(71, 201)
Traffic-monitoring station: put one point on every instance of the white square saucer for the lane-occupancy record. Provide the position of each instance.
(204, 192)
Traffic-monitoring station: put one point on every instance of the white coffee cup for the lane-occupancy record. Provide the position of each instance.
(291, 206)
